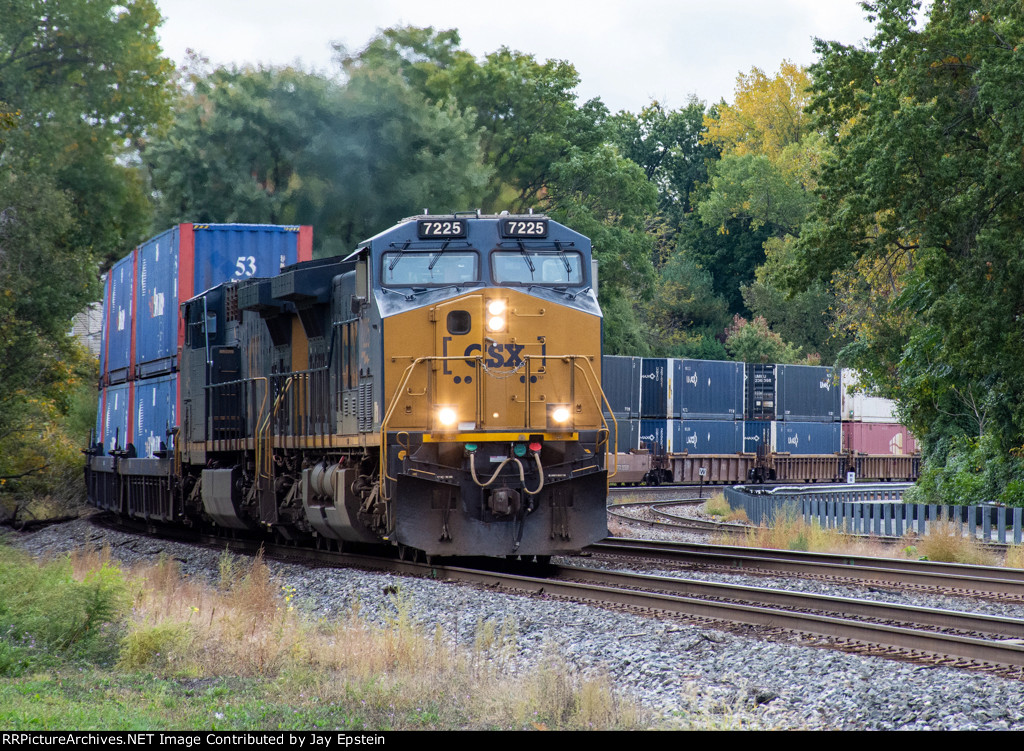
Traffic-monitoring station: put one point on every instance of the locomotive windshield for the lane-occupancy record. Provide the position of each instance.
(424, 268)
(556, 268)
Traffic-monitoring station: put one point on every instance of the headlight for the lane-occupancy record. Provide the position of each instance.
(560, 416)
(447, 416)
(496, 310)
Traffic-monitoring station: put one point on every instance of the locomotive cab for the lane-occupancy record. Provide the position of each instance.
(492, 429)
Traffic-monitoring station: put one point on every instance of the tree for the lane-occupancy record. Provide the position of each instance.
(753, 341)
(85, 85)
(921, 206)
(82, 86)
(546, 151)
(280, 145)
(759, 193)
(768, 115)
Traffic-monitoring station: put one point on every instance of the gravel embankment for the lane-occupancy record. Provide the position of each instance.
(673, 668)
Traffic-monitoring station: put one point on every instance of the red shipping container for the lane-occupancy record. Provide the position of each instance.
(878, 438)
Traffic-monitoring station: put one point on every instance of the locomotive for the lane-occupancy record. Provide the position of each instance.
(437, 390)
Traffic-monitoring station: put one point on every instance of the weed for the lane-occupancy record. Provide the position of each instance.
(945, 541)
(1015, 556)
(717, 506)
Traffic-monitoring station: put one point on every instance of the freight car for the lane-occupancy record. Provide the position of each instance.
(438, 390)
(650, 468)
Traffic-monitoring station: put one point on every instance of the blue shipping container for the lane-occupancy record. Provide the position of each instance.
(154, 412)
(115, 408)
(628, 435)
(707, 436)
(708, 390)
(656, 378)
(807, 392)
(758, 434)
(190, 258)
(116, 336)
(656, 436)
(620, 380)
(808, 437)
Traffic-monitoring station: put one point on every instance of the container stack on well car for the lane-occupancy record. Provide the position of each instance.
(692, 421)
(142, 328)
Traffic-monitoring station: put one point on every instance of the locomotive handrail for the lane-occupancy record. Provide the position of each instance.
(394, 403)
(407, 374)
(607, 451)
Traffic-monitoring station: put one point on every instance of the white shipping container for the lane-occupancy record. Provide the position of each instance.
(860, 407)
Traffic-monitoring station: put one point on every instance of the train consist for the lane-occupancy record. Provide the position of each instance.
(438, 390)
(695, 421)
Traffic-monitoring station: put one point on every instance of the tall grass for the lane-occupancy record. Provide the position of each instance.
(392, 674)
(718, 507)
(947, 543)
(51, 611)
(944, 542)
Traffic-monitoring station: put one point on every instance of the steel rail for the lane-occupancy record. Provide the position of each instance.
(1008, 653)
(890, 570)
(1009, 628)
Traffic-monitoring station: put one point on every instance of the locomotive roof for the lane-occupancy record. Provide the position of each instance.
(480, 230)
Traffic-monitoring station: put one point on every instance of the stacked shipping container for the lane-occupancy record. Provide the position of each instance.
(676, 405)
(870, 423)
(711, 407)
(139, 400)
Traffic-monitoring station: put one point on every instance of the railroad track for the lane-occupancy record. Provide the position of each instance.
(935, 636)
(986, 581)
(667, 520)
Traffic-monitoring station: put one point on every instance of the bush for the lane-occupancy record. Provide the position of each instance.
(46, 606)
(968, 471)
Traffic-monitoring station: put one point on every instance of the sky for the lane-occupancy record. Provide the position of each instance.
(626, 53)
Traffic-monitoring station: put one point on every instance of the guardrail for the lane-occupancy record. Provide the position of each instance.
(873, 510)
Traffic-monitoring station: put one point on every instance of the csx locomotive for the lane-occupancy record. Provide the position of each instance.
(438, 390)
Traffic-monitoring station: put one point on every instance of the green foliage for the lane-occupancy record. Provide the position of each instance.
(750, 187)
(155, 646)
(731, 253)
(686, 312)
(754, 341)
(624, 333)
(82, 85)
(803, 317)
(89, 85)
(920, 225)
(544, 149)
(280, 145)
(45, 610)
(968, 471)
(668, 146)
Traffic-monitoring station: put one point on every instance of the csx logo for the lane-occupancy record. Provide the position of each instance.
(498, 355)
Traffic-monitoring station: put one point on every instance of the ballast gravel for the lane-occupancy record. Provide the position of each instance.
(677, 670)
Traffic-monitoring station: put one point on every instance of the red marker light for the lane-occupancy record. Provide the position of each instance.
(535, 447)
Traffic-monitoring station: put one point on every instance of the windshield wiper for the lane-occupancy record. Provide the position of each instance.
(437, 255)
(565, 260)
(399, 256)
(529, 262)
